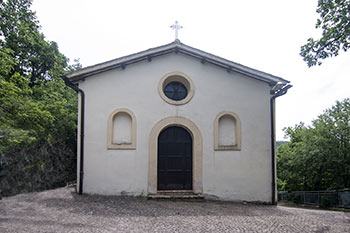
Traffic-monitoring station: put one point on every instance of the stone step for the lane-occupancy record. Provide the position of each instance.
(175, 195)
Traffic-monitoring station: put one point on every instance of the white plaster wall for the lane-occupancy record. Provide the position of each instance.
(229, 175)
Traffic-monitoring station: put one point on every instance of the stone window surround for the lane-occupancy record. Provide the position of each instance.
(176, 77)
(110, 131)
(197, 152)
(237, 132)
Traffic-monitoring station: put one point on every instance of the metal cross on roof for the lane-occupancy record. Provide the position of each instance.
(176, 27)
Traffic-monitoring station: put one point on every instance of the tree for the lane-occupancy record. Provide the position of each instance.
(318, 156)
(36, 58)
(335, 23)
(37, 110)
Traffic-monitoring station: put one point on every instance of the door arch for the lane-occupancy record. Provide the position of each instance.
(197, 148)
(174, 167)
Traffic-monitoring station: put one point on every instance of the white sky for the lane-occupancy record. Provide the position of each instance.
(264, 35)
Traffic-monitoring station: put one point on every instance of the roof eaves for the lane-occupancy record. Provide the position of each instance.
(229, 68)
(175, 46)
(234, 66)
(113, 65)
(90, 70)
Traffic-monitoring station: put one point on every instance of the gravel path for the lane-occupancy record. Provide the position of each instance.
(61, 210)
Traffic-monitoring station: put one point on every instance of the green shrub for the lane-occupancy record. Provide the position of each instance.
(325, 202)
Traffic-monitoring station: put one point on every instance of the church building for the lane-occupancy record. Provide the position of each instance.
(177, 120)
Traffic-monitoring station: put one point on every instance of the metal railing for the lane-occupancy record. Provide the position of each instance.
(339, 198)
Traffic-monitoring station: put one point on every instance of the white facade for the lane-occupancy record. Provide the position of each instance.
(243, 174)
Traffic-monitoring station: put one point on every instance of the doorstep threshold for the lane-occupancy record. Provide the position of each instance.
(175, 194)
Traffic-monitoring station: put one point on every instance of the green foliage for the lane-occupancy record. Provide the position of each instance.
(318, 156)
(37, 110)
(278, 143)
(335, 23)
(325, 202)
(37, 59)
(295, 198)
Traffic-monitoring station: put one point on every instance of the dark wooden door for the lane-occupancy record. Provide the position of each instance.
(174, 159)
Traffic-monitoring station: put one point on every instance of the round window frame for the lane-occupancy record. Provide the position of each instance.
(176, 77)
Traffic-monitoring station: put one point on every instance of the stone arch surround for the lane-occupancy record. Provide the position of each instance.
(197, 153)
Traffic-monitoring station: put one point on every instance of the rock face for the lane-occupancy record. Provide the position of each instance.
(37, 169)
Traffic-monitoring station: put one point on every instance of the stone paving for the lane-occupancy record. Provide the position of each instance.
(61, 210)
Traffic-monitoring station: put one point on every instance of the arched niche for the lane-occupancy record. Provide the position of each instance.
(121, 131)
(227, 131)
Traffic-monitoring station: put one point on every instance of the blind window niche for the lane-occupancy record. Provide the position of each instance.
(122, 124)
(227, 131)
(121, 130)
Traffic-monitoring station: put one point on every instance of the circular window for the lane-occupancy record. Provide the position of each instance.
(175, 91)
(176, 88)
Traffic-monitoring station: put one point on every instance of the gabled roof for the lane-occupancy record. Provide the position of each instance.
(174, 47)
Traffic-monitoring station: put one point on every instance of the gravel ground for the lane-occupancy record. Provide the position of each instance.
(61, 210)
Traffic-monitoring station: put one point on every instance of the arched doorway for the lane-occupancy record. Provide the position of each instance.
(197, 152)
(174, 171)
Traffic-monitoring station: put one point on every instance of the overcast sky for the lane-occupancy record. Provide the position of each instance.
(264, 35)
